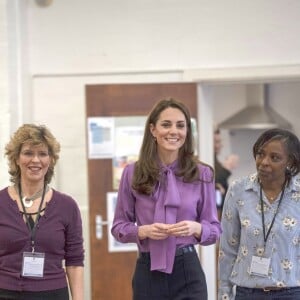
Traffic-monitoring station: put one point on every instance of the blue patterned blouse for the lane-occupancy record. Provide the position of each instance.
(243, 237)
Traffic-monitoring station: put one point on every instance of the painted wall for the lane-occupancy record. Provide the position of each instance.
(75, 36)
(61, 48)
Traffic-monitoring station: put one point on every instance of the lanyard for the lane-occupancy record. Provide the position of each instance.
(263, 214)
(33, 229)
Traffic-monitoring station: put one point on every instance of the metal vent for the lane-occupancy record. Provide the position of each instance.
(258, 114)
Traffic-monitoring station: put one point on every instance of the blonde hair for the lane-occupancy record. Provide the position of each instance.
(34, 135)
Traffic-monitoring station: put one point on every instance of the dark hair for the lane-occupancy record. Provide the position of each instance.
(291, 143)
(146, 172)
(33, 135)
(217, 130)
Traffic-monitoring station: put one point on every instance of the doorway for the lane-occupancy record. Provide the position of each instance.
(111, 272)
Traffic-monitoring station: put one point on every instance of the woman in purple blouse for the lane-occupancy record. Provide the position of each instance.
(166, 204)
(40, 228)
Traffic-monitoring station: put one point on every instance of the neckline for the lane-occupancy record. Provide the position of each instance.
(271, 200)
(14, 201)
(172, 165)
(34, 213)
(279, 195)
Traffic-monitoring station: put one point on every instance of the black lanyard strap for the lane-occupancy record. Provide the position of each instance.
(275, 214)
(32, 229)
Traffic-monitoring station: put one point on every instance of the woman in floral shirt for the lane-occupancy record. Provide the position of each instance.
(260, 245)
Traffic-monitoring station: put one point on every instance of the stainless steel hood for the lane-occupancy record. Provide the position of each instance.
(258, 114)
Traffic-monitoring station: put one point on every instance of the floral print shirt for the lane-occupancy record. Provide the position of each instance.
(243, 237)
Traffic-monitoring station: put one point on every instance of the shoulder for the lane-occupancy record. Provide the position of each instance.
(130, 167)
(4, 195)
(64, 200)
(205, 171)
(295, 183)
(66, 209)
(129, 170)
(4, 192)
(243, 184)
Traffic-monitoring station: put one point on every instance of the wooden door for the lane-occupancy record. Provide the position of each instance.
(111, 273)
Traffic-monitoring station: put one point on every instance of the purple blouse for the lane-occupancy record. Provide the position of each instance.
(189, 201)
(58, 235)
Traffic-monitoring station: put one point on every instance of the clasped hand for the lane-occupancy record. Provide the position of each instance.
(160, 231)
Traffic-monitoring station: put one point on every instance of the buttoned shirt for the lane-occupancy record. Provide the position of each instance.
(243, 237)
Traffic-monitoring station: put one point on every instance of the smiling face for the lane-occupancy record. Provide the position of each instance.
(34, 162)
(272, 161)
(170, 132)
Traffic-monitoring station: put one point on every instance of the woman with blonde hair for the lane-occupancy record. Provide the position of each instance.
(40, 227)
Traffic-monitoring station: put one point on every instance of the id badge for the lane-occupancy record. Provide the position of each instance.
(260, 266)
(33, 264)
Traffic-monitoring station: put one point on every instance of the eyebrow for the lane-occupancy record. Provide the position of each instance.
(180, 121)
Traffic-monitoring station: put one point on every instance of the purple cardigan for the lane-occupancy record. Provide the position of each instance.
(58, 235)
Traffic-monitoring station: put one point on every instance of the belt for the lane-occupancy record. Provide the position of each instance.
(179, 251)
(185, 249)
(273, 288)
(268, 289)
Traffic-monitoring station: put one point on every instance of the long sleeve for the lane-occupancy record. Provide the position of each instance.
(58, 235)
(207, 211)
(124, 227)
(243, 237)
(229, 244)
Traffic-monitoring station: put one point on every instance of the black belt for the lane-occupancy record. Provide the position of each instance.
(268, 289)
(179, 251)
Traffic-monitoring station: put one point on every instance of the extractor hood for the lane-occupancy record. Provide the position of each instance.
(257, 114)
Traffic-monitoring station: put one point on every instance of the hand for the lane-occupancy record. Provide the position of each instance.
(231, 162)
(185, 228)
(155, 231)
(220, 187)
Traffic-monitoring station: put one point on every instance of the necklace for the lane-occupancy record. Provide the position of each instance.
(271, 198)
(28, 201)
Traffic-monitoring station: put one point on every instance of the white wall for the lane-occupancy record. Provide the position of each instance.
(91, 36)
(60, 103)
(71, 43)
(4, 105)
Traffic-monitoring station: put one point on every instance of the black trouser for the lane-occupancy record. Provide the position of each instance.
(186, 282)
(59, 294)
(243, 293)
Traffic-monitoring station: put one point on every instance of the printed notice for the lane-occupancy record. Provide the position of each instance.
(100, 137)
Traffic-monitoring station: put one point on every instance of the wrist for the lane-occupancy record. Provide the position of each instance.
(198, 231)
(142, 232)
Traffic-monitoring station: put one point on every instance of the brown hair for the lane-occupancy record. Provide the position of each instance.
(146, 173)
(33, 135)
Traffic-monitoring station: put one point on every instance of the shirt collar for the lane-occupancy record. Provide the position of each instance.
(253, 184)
